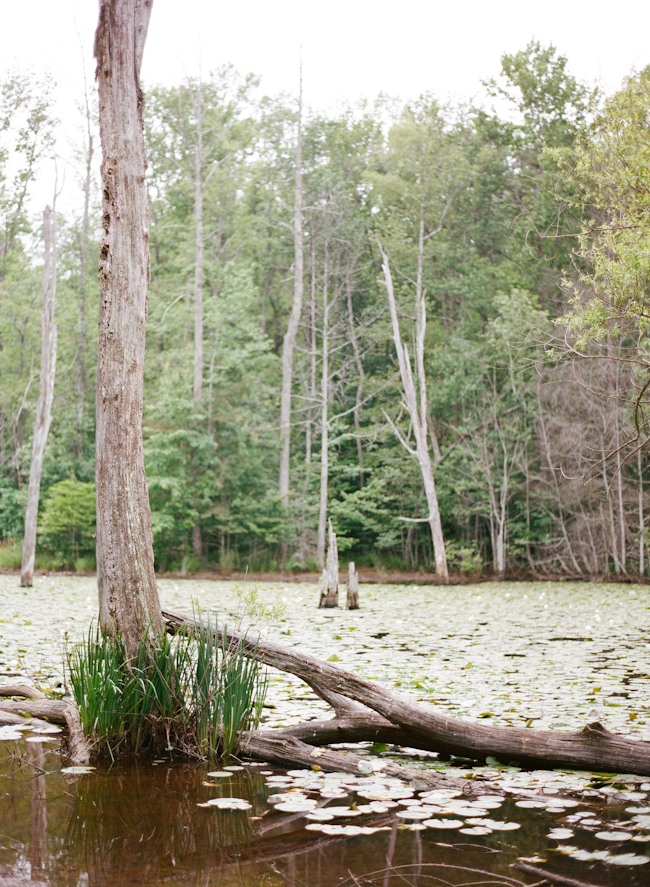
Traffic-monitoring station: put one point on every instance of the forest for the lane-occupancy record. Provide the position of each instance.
(373, 316)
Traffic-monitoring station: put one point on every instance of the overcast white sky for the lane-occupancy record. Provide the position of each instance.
(351, 48)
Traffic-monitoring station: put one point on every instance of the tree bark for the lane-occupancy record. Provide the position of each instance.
(45, 397)
(128, 597)
(417, 413)
(329, 592)
(592, 748)
(296, 309)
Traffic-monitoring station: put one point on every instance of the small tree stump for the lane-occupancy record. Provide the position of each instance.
(352, 602)
(329, 590)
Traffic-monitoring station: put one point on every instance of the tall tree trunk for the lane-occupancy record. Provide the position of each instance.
(359, 365)
(128, 597)
(198, 251)
(417, 414)
(83, 291)
(197, 391)
(45, 397)
(312, 358)
(296, 309)
(641, 522)
(324, 442)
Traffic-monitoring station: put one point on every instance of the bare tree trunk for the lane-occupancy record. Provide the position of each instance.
(45, 397)
(359, 366)
(128, 597)
(324, 441)
(198, 251)
(294, 319)
(329, 592)
(641, 522)
(418, 415)
(312, 356)
(83, 292)
(352, 599)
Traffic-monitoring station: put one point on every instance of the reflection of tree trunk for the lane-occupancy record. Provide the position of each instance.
(128, 596)
(45, 398)
(36, 758)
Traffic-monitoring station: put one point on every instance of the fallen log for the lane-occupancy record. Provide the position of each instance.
(54, 711)
(592, 748)
(282, 750)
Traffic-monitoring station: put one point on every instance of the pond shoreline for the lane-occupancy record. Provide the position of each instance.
(369, 576)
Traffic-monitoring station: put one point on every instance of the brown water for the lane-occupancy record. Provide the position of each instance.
(139, 823)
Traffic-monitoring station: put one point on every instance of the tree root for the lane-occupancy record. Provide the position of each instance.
(592, 748)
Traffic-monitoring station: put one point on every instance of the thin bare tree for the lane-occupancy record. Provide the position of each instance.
(294, 319)
(45, 397)
(417, 412)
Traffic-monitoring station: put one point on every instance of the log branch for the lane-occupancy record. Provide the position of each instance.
(56, 712)
(592, 748)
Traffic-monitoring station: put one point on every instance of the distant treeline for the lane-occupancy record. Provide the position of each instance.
(527, 230)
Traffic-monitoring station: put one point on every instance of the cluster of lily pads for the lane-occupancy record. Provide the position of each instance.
(328, 801)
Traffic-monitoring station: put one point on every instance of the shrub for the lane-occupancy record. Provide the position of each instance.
(11, 555)
(67, 522)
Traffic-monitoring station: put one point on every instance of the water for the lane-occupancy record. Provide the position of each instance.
(140, 823)
(549, 654)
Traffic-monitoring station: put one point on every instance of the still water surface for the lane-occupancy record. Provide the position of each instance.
(136, 823)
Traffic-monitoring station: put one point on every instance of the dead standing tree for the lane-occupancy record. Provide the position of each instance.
(45, 398)
(329, 591)
(418, 413)
(128, 597)
(289, 341)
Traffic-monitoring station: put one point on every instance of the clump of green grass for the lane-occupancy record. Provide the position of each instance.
(191, 693)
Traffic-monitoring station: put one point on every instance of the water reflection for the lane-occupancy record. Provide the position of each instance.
(139, 823)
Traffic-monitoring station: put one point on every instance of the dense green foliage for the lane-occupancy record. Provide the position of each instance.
(526, 229)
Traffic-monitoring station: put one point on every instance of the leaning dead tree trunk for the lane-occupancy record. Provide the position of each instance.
(417, 413)
(352, 598)
(128, 597)
(45, 397)
(395, 719)
(329, 592)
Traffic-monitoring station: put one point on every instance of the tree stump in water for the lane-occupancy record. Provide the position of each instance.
(352, 602)
(329, 590)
